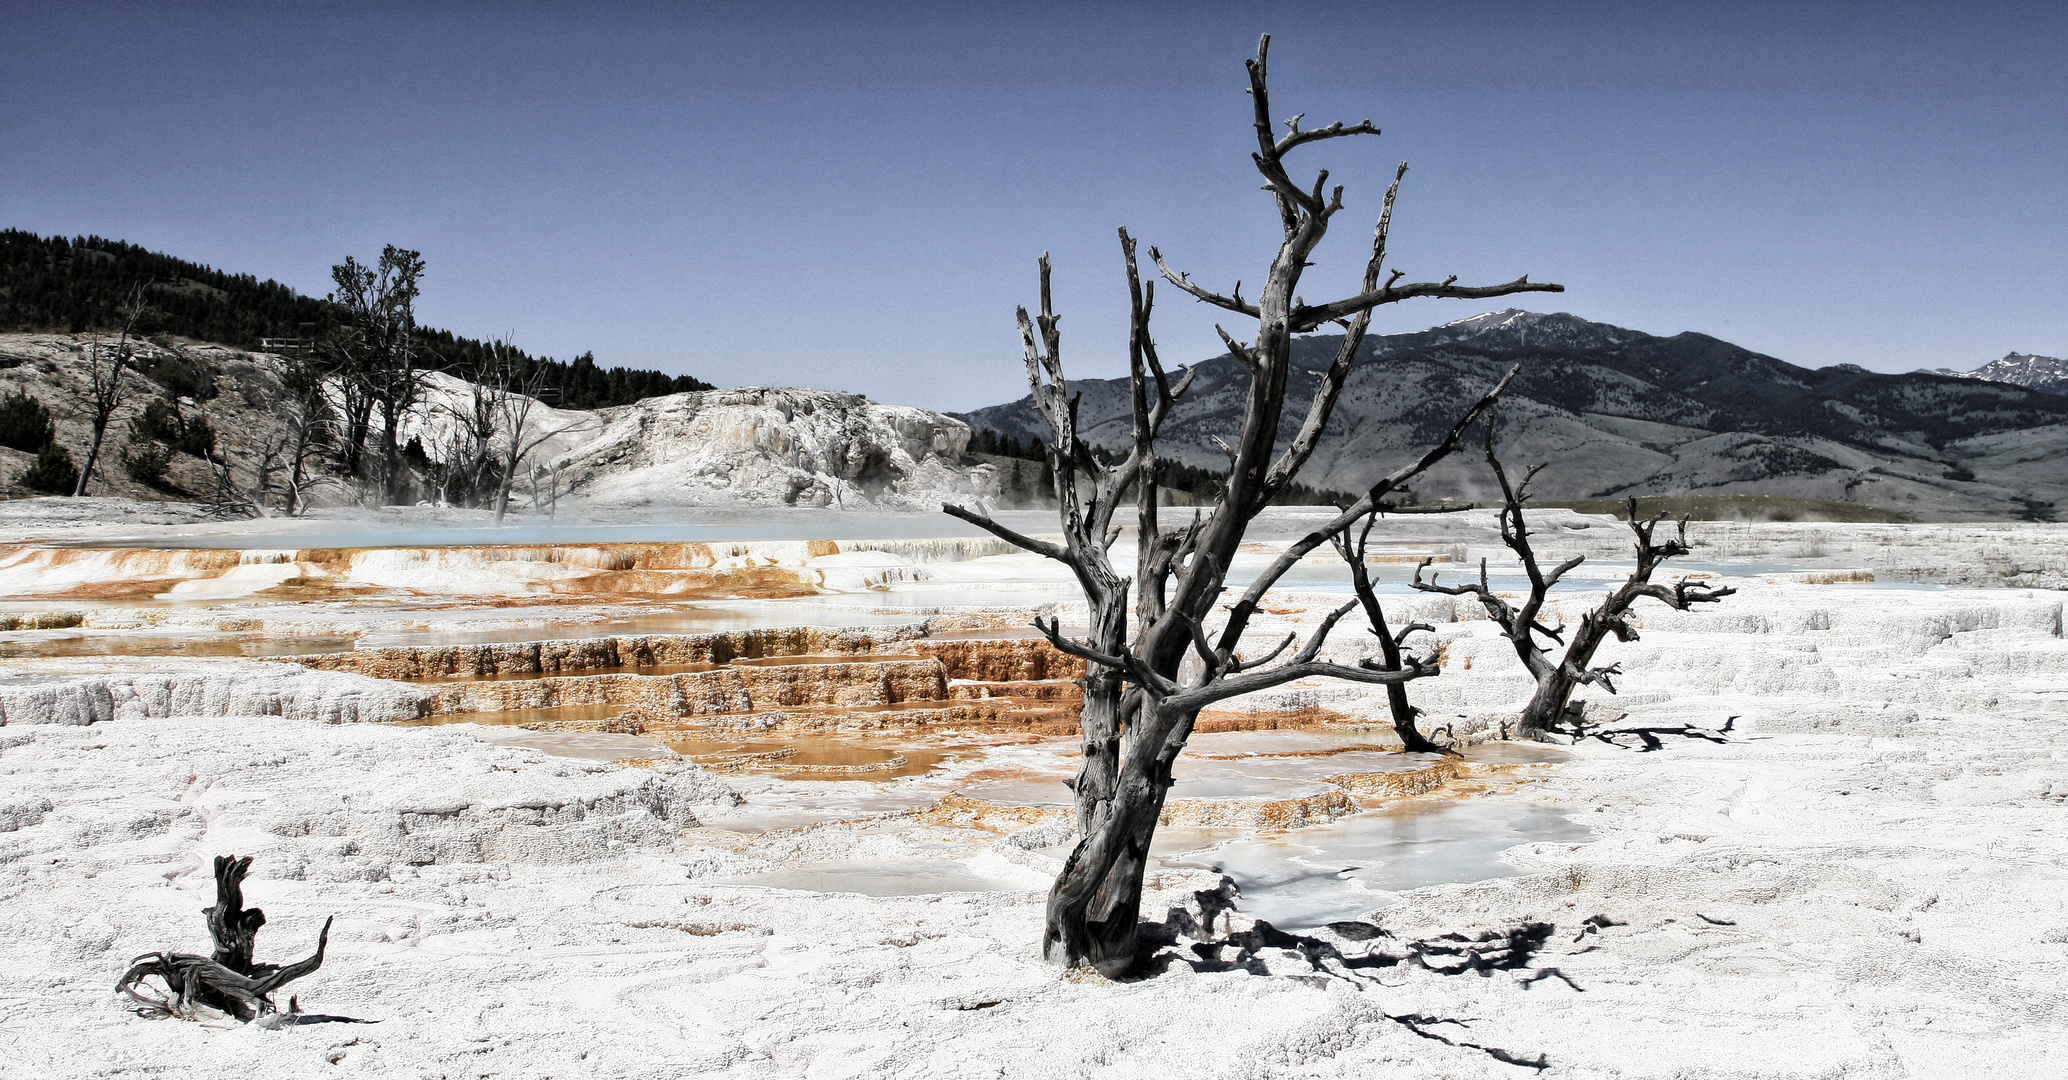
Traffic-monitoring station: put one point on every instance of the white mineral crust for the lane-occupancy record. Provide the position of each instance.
(1869, 880)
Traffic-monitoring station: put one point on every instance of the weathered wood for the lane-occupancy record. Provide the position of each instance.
(1404, 714)
(1550, 709)
(1142, 691)
(234, 928)
(228, 981)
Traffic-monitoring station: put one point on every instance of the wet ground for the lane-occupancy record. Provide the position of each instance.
(1308, 823)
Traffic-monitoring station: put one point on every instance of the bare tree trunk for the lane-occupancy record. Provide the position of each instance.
(1404, 714)
(1550, 704)
(233, 926)
(106, 385)
(1141, 696)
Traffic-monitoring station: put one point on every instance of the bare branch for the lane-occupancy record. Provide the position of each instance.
(1337, 130)
(1313, 647)
(1197, 698)
(1245, 607)
(1250, 665)
(1213, 664)
(1239, 351)
(1307, 318)
(1233, 303)
(1017, 539)
(1126, 663)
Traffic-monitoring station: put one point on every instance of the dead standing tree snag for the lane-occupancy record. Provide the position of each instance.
(1146, 684)
(228, 980)
(1350, 545)
(1551, 705)
(104, 370)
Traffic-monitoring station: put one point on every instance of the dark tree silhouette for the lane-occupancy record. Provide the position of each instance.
(105, 366)
(1141, 696)
(1551, 703)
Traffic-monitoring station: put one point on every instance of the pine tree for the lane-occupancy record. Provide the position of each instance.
(24, 422)
(53, 471)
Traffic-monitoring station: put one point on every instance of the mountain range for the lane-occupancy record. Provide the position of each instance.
(1614, 412)
(2046, 373)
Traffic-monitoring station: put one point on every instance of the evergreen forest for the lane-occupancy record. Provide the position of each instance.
(79, 285)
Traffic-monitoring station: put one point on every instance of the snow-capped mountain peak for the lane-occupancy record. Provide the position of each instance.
(2044, 373)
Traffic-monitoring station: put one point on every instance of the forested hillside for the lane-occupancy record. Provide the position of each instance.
(80, 285)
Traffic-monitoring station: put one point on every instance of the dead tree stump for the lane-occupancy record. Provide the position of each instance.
(228, 981)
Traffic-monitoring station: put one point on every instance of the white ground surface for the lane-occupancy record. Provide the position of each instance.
(1870, 879)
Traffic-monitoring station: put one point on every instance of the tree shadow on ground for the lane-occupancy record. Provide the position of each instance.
(1353, 951)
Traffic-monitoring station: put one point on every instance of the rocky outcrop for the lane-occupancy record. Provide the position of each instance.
(578, 655)
(758, 446)
(773, 447)
(280, 690)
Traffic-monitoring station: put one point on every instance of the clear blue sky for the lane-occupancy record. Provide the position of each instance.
(852, 196)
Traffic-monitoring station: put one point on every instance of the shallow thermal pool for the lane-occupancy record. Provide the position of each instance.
(1342, 870)
(1293, 878)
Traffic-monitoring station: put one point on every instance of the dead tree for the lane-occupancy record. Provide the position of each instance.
(309, 429)
(464, 463)
(547, 498)
(228, 980)
(104, 374)
(1551, 704)
(516, 395)
(227, 498)
(1146, 684)
(1352, 549)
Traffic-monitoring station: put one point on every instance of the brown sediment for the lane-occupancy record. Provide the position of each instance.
(968, 812)
(869, 683)
(573, 655)
(994, 716)
(1331, 751)
(1316, 809)
(647, 762)
(790, 679)
(41, 620)
(1381, 785)
(834, 760)
(126, 589)
(1058, 691)
(121, 573)
(674, 570)
(1311, 718)
(691, 694)
(997, 660)
(508, 676)
(779, 679)
(634, 569)
(1015, 620)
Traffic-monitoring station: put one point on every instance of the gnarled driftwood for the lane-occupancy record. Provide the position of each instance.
(228, 981)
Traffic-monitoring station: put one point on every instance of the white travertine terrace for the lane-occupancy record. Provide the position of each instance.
(1869, 878)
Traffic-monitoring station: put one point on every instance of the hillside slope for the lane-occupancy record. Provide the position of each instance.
(1618, 412)
(753, 446)
(50, 283)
